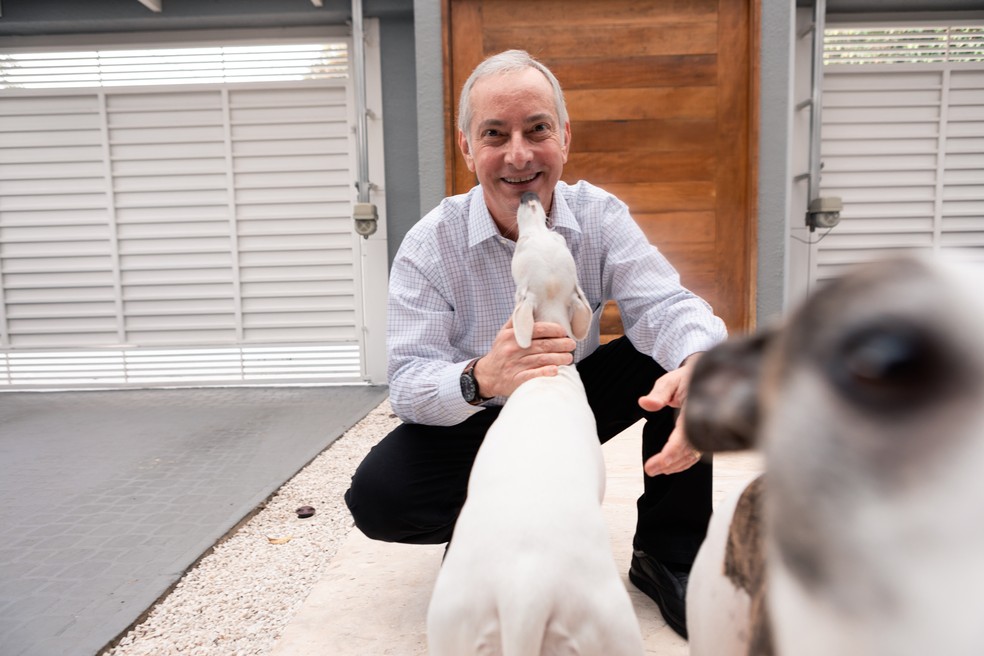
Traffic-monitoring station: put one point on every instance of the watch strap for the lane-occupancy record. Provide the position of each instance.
(470, 372)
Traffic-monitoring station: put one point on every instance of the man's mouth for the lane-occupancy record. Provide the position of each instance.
(521, 180)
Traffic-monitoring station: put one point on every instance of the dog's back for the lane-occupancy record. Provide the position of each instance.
(529, 571)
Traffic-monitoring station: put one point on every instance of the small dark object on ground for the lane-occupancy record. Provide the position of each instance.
(305, 511)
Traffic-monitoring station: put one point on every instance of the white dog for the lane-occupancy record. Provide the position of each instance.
(529, 571)
(869, 404)
(546, 278)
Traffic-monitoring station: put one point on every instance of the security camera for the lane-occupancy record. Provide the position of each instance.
(824, 212)
(365, 216)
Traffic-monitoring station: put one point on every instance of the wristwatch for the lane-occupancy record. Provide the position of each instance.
(469, 386)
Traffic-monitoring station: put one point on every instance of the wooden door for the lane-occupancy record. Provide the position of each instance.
(660, 102)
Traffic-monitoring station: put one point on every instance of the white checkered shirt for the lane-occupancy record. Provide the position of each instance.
(451, 291)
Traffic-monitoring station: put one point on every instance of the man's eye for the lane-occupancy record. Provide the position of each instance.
(490, 134)
(541, 127)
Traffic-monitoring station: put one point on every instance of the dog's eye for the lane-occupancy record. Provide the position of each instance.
(890, 367)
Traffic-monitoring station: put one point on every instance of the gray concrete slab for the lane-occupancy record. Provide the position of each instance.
(110, 496)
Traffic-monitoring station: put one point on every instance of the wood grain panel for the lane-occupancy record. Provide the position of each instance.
(632, 104)
(634, 72)
(673, 166)
(580, 13)
(642, 197)
(623, 136)
(467, 48)
(661, 116)
(666, 228)
(736, 223)
(625, 40)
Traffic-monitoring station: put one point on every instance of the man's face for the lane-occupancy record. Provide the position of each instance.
(517, 142)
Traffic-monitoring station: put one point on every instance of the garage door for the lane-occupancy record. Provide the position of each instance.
(197, 232)
(903, 144)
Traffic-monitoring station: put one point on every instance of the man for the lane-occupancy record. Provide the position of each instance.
(453, 360)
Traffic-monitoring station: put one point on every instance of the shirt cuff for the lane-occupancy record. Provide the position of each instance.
(449, 392)
(689, 346)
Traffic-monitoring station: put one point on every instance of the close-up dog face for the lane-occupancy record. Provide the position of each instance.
(883, 368)
(873, 397)
(869, 406)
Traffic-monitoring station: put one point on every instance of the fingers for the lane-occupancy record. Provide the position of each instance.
(547, 352)
(670, 389)
(507, 365)
(544, 330)
(547, 338)
(550, 346)
(677, 455)
(666, 392)
(654, 401)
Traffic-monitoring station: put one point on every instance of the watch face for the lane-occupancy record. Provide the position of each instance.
(469, 390)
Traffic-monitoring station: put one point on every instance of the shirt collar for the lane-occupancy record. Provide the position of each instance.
(481, 226)
(480, 223)
(561, 215)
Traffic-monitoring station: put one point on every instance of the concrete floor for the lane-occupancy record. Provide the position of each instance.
(373, 600)
(108, 497)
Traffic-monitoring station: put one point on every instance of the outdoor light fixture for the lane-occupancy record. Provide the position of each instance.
(824, 212)
(366, 216)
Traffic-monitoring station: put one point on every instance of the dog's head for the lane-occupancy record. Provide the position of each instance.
(869, 405)
(889, 344)
(546, 278)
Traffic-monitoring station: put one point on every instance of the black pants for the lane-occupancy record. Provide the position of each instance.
(411, 486)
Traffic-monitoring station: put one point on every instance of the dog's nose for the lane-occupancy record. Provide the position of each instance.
(529, 197)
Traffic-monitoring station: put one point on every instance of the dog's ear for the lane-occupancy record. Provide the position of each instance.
(580, 314)
(722, 409)
(523, 318)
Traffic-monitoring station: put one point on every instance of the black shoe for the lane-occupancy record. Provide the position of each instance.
(666, 584)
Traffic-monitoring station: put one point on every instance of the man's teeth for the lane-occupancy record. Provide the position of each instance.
(515, 180)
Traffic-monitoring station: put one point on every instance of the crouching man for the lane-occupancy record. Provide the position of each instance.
(453, 358)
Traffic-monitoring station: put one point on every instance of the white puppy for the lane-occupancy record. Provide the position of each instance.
(546, 278)
(529, 571)
(869, 404)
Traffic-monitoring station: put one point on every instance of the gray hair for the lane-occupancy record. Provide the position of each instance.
(507, 62)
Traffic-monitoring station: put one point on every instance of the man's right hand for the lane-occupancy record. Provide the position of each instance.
(507, 366)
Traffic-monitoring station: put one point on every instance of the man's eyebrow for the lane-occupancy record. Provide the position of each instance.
(491, 123)
(496, 122)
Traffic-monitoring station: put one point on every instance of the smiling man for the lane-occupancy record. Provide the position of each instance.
(453, 359)
(516, 146)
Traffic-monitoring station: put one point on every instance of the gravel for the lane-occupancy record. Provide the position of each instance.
(238, 599)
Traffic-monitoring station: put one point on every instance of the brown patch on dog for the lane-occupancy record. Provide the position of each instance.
(744, 564)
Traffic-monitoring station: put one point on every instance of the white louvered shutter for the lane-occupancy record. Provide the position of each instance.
(903, 144)
(189, 234)
(880, 153)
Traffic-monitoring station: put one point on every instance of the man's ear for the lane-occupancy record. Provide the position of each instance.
(567, 140)
(466, 151)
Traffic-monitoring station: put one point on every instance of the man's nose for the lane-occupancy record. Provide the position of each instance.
(518, 153)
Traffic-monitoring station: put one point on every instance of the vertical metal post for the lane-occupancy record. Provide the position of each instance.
(359, 78)
(816, 112)
(364, 213)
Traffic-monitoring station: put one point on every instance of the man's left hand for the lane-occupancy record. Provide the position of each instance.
(671, 390)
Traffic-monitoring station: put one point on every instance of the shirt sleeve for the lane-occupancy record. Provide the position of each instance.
(659, 315)
(424, 367)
